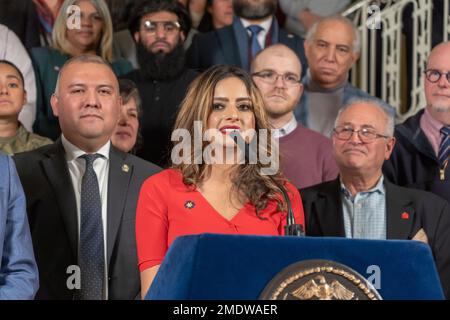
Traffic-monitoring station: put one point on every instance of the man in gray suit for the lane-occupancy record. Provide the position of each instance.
(82, 192)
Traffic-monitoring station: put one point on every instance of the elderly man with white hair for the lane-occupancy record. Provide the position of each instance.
(362, 204)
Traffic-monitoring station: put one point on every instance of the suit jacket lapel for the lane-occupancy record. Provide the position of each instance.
(120, 172)
(55, 167)
(329, 210)
(235, 44)
(399, 211)
(275, 34)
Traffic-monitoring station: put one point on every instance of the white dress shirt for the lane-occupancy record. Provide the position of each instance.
(77, 167)
(290, 126)
(265, 25)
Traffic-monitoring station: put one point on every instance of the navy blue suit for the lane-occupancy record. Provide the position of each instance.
(229, 45)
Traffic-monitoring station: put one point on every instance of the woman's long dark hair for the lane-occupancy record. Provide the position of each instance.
(248, 180)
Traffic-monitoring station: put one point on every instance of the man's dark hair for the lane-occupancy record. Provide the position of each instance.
(144, 7)
(9, 63)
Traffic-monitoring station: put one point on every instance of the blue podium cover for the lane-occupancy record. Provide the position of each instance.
(232, 267)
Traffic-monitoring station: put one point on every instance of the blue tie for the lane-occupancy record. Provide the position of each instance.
(444, 148)
(254, 44)
(91, 249)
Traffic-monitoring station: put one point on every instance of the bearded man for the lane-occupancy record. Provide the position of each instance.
(159, 28)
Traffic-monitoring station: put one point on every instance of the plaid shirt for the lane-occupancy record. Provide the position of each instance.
(365, 213)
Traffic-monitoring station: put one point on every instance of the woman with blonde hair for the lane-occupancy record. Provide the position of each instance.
(82, 27)
(203, 191)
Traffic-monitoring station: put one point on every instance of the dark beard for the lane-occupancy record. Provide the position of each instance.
(160, 66)
(247, 10)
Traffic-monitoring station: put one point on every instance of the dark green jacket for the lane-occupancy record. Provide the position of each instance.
(47, 62)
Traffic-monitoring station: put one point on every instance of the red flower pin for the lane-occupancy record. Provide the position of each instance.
(405, 215)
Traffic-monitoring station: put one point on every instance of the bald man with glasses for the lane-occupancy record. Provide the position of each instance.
(362, 204)
(420, 158)
(306, 157)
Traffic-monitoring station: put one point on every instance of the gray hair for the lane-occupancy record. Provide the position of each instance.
(356, 39)
(390, 116)
(84, 58)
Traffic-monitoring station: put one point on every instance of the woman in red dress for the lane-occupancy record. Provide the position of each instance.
(209, 188)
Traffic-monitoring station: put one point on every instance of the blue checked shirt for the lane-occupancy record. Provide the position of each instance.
(365, 213)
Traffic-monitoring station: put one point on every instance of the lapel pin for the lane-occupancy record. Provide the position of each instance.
(125, 168)
(189, 204)
(405, 215)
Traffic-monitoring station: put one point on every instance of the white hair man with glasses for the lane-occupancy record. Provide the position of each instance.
(362, 204)
(420, 159)
(306, 157)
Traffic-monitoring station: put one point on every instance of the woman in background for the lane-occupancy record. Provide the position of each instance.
(126, 136)
(14, 137)
(89, 32)
(218, 14)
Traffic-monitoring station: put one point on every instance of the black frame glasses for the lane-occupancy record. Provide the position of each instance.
(434, 75)
(366, 135)
(271, 77)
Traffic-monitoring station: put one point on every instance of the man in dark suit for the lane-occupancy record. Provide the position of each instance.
(254, 28)
(82, 192)
(362, 204)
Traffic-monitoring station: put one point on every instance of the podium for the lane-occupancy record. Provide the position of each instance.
(236, 267)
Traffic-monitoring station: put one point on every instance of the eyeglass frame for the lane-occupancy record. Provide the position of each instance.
(362, 138)
(447, 75)
(176, 24)
(282, 75)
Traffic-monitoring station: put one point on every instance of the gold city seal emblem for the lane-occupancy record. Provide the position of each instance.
(319, 280)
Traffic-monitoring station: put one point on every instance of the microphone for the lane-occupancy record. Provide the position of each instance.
(291, 228)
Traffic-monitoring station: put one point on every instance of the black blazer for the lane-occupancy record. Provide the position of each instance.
(324, 217)
(53, 222)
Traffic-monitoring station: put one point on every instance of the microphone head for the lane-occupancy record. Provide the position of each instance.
(242, 144)
(236, 136)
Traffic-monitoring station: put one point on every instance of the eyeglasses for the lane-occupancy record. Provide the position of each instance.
(366, 135)
(434, 76)
(271, 77)
(168, 26)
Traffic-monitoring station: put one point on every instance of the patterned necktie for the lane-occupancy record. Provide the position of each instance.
(444, 148)
(91, 249)
(254, 44)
